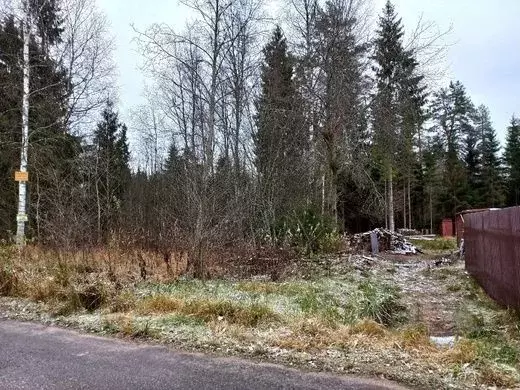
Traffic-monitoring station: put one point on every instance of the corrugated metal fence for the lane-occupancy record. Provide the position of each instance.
(492, 252)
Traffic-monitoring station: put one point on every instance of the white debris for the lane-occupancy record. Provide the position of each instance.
(444, 341)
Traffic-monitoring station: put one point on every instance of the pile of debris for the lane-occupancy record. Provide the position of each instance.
(382, 240)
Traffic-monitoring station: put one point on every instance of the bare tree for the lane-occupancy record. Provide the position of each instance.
(85, 53)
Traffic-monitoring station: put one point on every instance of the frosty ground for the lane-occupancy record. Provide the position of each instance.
(349, 313)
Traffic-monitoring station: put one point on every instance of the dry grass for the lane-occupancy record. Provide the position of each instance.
(128, 326)
(464, 351)
(159, 304)
(209, 310)
(494, 375)
(369, 328)
(415, 337)
(349, 316)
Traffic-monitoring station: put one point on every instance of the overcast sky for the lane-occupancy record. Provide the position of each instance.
(484, 53)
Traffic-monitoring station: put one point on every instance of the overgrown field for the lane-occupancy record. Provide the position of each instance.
(348, 313)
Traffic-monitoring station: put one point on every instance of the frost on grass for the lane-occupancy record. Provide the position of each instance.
(348, 314)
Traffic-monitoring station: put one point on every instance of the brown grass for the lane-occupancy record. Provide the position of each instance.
(464, 351)
(313, 333)
(369, 328)
(159, 304)
(209, 310)
(415, 337)
(74, 280)
(492, 375)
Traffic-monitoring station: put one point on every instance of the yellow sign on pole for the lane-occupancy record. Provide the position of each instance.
(21, 176)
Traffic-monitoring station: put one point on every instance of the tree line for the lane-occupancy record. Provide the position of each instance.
(329, 126)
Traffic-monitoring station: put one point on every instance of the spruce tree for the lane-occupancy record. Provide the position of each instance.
(492, 188)
(512, 159)
(471, 149)
(112, 169)
(451, 111)
(398, 105)
(281, 140)
(341, 124)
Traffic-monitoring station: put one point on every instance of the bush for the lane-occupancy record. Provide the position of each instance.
(309, 232)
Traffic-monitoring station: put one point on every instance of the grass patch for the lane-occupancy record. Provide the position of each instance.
(289, 289)
(464, 351)
(454, 287)
(436, 244)
(130, 327)
(209, 310)
(369, 328)
(175, 320)
(377, 301)
(415, 336)
(498, 375)
(159, 304)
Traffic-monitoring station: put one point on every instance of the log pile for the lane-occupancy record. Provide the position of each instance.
(388, 241)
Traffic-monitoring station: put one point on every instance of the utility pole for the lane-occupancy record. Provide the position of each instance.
(22, 176)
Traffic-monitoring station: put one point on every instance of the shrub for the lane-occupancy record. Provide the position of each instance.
(308, 231)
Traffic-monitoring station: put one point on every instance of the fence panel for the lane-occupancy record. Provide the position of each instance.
(492, 252)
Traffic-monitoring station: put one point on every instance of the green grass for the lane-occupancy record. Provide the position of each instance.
(437, 244)
(252, 302)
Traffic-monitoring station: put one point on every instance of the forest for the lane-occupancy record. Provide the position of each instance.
(256, 132)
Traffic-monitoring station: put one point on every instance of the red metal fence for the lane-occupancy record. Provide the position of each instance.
(492, 252)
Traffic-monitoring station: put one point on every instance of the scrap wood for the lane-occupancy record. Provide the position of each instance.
(388, 241)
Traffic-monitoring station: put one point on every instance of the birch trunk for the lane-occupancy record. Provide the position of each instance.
(391, 220)
(22, 186)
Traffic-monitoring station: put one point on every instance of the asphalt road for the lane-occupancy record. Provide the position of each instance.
(34, 356)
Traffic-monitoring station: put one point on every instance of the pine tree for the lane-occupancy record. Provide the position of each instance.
(512, 159)
(280, 142)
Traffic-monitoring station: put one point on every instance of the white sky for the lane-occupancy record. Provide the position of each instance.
(484, 53)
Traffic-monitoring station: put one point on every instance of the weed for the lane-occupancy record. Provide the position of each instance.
(309, 302)
(258, 287)
(377, 301)
(499, 351)
(128, 326)
(9, 284)
(143, 331)
(209, 310)
(180, 320)
(92, 296)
